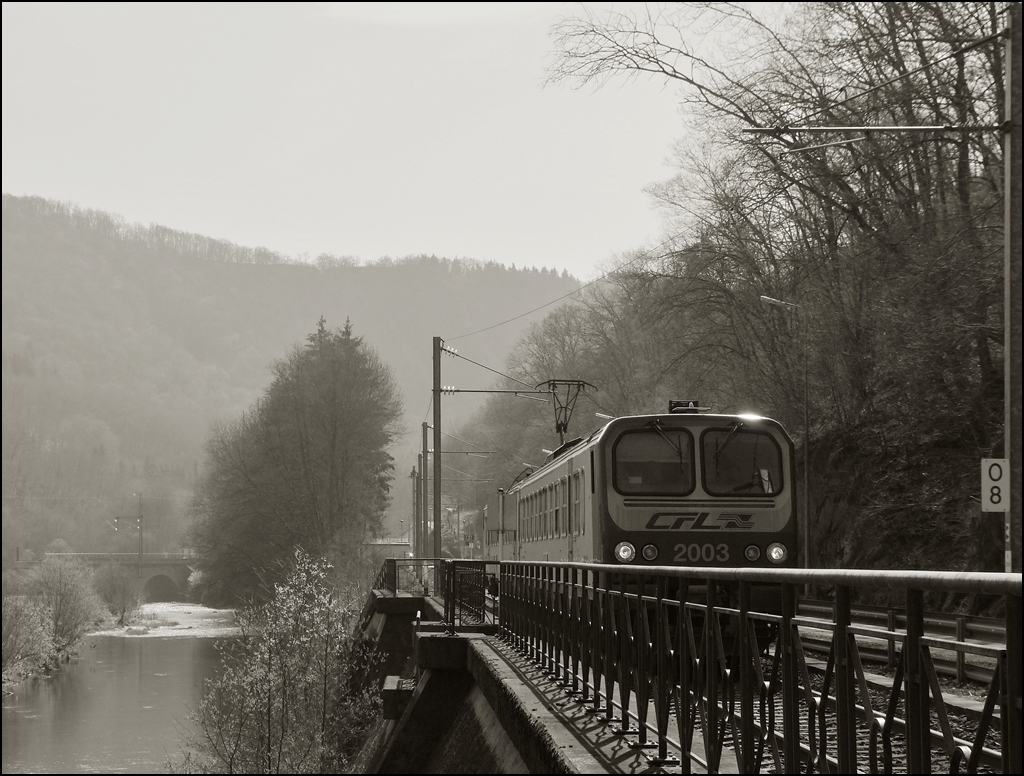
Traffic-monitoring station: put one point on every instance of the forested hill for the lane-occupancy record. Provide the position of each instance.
(122, 344)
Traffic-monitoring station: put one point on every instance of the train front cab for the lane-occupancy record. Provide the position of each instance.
(698, 491)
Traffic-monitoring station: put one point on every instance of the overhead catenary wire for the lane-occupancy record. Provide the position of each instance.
(456, 354)
(963, 50)
(457, 471)
(619, 268)
(464, 441)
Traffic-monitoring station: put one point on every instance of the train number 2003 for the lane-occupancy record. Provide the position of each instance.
(702, 553)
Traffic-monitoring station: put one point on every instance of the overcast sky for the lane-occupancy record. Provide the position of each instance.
(357, 129)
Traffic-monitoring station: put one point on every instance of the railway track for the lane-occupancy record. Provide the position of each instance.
(960, 666)
(886, 627)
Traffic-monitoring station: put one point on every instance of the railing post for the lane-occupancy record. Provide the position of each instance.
(391, 575)
(846, 722)
(586, 634)
(663, 679)
(684, 718)
(624, 662)
(511, 603)
(504, 583)
(745, 652)
(890, 650)
(790, 681)
(641, 683)
(609, 661)
(554, 626)
(709, 662)
(1010, 708)
(575, 628)
(918, 723)
(607, 647)
(547, 615)
(961, 636)
(448, 580)
(535, 624)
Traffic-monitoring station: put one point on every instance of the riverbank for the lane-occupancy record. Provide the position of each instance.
(164, 619)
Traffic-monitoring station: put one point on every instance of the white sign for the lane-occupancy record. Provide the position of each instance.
(995, 485)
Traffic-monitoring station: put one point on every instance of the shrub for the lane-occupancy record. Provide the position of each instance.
(26, 636)
(295, 673)
(64, 587)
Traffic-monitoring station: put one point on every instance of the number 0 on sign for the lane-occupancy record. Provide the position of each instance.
(995, 485)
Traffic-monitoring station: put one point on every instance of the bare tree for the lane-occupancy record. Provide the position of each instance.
(64, 587)
(118, 587)
(888, 242)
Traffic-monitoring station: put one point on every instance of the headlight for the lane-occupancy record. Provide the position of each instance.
(650, 552)
(625, 552)
(777, 553)
(752, 552)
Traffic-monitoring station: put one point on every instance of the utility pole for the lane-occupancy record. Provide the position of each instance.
(425, 549)
(414, 537)
(140, 535)
(799, 310)
(437, 462)
(138, 526)
(1012, 306)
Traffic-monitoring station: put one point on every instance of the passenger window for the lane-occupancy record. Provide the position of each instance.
(558, 512)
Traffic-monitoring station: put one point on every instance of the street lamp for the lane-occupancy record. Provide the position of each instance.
(794, 308)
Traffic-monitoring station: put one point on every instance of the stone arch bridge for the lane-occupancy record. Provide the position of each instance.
(163, 576)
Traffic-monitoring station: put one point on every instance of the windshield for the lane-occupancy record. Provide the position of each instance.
(741, 462)
(654, 460)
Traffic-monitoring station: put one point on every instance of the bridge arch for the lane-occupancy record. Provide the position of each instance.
(160, 587)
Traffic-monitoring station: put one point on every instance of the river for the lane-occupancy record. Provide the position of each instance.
(122, 704)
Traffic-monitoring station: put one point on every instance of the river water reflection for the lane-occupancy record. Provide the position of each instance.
(121, 707)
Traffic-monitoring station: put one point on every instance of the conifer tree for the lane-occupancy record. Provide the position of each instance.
(306, 467)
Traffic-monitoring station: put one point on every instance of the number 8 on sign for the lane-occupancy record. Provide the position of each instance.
(995, 496)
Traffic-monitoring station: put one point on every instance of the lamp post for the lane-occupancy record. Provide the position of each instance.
(794, 308)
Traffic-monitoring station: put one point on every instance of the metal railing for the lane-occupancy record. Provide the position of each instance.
(404, 575)
(688, 651)
(466, 599)
(467, 588)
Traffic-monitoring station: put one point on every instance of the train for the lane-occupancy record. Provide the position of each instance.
(684, 488)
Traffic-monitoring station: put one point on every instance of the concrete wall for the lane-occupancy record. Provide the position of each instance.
(456, 705)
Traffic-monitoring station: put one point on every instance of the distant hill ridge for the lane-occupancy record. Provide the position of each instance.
(141, 337)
